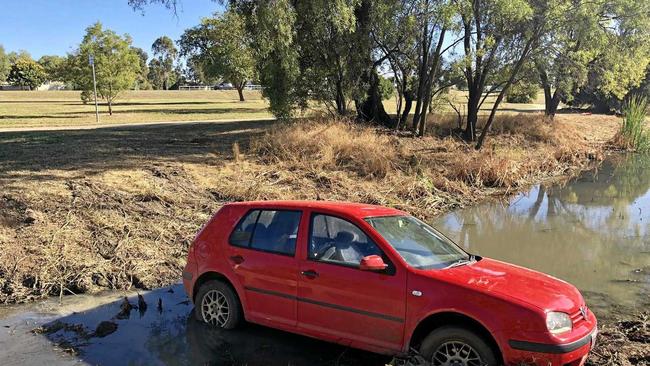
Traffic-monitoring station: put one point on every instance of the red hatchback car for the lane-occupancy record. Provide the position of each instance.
(378, 279)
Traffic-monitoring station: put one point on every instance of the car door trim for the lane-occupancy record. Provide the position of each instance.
(325, 304)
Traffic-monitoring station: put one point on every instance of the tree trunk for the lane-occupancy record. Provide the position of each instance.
(341, 107)
(372, 108)
(554, 103)
(503, 92)
(433, 71)
(408, 103)
(240, 91)
(551, 99)
(110, 108)
(422, 71)
(472, 115)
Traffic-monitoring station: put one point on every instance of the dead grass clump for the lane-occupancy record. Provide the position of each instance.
(535, 127)
(331, 145)
(624, 343)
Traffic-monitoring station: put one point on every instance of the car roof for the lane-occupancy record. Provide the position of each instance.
(359, 210)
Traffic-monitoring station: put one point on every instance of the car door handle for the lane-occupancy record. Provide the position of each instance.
(309, 274)
(237, 259)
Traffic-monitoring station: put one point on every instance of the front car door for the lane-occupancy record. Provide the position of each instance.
(337, 299)
(262, 254)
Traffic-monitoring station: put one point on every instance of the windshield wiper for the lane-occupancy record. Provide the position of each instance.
(462, 262)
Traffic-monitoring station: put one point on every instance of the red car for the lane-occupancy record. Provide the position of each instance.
(378, 279)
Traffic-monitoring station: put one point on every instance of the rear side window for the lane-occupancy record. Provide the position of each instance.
(242, 234)
(272, 231)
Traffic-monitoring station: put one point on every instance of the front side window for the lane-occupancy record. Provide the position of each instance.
(419, 244)
(272, 231)
(338, 241)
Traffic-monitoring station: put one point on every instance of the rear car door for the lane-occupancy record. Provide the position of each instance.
(338, 299)
(262, 254)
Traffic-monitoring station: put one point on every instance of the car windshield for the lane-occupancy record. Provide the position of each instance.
(419, 244)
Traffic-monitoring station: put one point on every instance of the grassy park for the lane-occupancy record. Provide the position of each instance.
(44, 109)
(64, 108)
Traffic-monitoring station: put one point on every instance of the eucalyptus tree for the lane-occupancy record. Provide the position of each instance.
(27, 73)
(117, 64)
(437, 35)
(328, 56)
(165, 54)
(597, 46)
(222, 47)
(53, 66)
(5, 64)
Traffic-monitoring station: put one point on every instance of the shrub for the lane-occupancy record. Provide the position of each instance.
(633, 134)
(521, 93)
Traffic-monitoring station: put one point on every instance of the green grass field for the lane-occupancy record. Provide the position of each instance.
(25, 109)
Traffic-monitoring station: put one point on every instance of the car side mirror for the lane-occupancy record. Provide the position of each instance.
(372, 263)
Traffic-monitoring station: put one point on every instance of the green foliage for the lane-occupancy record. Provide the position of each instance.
(220, 45)
(28, 73)
(522, 92)
(610, 42)
(54, 67)
(161, 67)
(142, 81)
(272, 26)
(5, 65)
(386, 88)
(633, 131)
(20, 55)
(117, 64)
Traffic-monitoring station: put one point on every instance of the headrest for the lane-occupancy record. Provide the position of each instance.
(344, 237)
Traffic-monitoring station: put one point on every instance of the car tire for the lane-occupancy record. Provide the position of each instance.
(217, 305)
(456, 343)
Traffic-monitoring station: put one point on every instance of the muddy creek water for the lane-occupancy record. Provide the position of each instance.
(593, 231)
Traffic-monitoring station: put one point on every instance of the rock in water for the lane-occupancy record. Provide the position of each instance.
(105, 328)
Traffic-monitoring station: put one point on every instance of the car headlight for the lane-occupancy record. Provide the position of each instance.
(557, 322)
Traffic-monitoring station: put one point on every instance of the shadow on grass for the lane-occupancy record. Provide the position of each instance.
(171, 335)
(121, 147)
(175, 111)
(44, 116)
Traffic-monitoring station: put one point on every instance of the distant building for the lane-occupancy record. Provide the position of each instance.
(195, 87)
(52, 85)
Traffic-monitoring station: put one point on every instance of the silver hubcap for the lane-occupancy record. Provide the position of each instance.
(456, 354)
(215, 309)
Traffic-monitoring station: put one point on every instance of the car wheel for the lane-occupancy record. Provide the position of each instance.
(455, 346)
(218, 305)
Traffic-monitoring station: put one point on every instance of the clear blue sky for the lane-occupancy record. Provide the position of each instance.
(55, 27)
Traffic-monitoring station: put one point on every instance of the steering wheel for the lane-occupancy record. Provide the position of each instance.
(324, 248)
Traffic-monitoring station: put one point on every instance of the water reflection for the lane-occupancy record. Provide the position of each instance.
(593, 231)
(173, 337)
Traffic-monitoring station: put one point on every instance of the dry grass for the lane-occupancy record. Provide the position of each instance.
(623, 343)
(344, 161)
